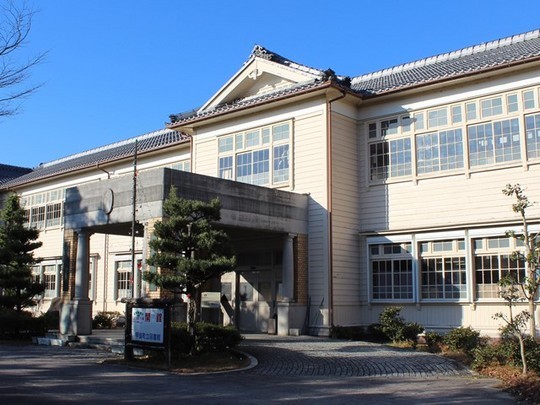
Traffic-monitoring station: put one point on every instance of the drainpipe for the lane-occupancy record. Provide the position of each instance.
(329, 166)
(103, 170)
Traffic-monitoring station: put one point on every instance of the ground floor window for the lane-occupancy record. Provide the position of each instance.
(444, 269)
(391, 271)
(48, 273)
(494, 259)
(124, 278)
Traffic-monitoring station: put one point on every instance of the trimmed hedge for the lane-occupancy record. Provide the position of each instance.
(208, 338)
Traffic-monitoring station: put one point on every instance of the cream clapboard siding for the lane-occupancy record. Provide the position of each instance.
(310, 176)
(345, 219)
(447, 201)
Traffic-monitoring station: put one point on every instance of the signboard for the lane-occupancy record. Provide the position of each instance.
(210, 300)
(147, 325)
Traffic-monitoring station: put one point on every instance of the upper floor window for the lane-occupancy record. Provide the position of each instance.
(529, 100)
(439, 151)
(532, 130)
(184, 165)
(437, 118)
(44, 210)
(494, 142)
(390, 159)
(48, 273)
(258, 156)
(492, 106)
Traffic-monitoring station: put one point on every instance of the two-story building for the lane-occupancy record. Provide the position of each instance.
(343, 195)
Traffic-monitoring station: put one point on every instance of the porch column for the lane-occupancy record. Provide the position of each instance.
(81, 269)
(288, 267)
(76, 316)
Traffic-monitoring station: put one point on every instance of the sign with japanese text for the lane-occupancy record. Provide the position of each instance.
(147, 325)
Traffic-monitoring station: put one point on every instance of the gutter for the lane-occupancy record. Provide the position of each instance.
(329, 166)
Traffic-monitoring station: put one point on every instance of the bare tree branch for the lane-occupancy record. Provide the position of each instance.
(15, 25)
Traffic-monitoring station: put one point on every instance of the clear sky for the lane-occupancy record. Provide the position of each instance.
(117, 69)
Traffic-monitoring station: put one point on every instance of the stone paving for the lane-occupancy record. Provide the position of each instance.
(313, 356)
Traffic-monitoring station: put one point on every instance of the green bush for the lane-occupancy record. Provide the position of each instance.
(433, 341)
(395, 327)
(20, 325)
(464, 339)
(499, 353)
(208, 338)
(105, 320)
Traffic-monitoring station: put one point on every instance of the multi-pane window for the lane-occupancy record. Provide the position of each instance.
(494, 142)
(512, 103)
(443, 270)
(492, 106)
(391, 271)
(470, 109)
(184, 165)
(439, 151)
(529, 100)
(493, 260)
(44, 210)
(456, 114)
(258, 156)
(532, 130)
(437, 118)
(390, 159)
(389, 127)
(123, 279)
(48, 273)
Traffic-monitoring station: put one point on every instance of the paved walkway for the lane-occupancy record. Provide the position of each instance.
(303, 370)
(313, 356)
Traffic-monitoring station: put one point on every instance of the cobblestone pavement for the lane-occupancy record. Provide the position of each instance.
(312, 356)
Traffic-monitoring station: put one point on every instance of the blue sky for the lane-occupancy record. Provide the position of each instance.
(117, 69)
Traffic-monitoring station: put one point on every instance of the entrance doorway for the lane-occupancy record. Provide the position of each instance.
(256, 300)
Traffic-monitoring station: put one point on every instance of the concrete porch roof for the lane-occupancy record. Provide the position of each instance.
(106, 206)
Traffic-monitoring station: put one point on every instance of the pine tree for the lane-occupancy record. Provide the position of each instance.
(18, 290)
(188, 249)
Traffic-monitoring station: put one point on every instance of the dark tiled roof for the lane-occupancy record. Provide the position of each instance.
(8, 172)
(475, 59)
(119, 150)
(247, 102)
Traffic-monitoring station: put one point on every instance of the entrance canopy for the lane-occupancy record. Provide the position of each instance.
(107, 206)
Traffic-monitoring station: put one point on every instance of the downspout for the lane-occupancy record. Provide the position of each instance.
(329, 166)
(103, 170)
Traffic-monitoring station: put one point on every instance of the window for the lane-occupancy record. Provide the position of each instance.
(442, 269)
(44, 210)
(48, 273)
(54, 214)
(258, 156)
(406, 124)
(372, 130)
(528, 100)
(123, 279)
(456, 114)
(471, 111)
(184, 166)
(493, 259)
(492, 106)
(494, 142)
(439, 151)
(389, 127)
(532, 129)
(391, 271)
(437, 118)
(390, 159)
(512, 103)
(419, 121)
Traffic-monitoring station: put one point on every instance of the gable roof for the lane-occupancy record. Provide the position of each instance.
(498, 54)
(109, 153)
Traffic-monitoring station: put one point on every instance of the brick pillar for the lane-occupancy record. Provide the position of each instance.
(301, 269)
(69, 261)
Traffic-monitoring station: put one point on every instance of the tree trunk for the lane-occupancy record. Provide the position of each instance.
(532, 320)
(522, 351)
